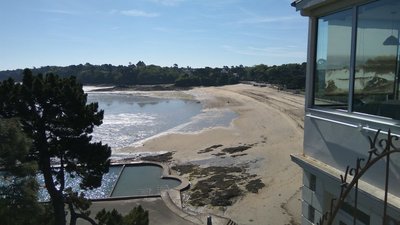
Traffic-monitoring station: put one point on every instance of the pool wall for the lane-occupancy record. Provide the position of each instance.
(184, 184)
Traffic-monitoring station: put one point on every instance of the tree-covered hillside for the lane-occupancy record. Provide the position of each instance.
(291, 76)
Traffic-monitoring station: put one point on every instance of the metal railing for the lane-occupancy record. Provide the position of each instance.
(380, 149)
(357, 126)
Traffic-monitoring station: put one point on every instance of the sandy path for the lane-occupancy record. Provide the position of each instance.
(271, 122)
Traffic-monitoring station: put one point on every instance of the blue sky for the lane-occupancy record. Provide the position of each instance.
(194, 33)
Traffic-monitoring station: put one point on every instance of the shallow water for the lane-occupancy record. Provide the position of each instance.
(142, 180)
(134, 180)
(130, 117)
(104, 191)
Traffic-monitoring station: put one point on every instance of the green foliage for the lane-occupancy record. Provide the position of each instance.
(109, 218)
(137, 216)
(77, 202)
(14, 147)
(54, 114)
(187, 81)
(18, 192)
(290, 75)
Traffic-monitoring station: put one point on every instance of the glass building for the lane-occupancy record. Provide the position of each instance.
(352, 91)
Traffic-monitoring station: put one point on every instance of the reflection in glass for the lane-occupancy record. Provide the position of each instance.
(376, 74)
(375, 87)
(331, 84)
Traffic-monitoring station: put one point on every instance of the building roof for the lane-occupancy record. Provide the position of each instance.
(307, 6)
(304, 4)
(294, 3)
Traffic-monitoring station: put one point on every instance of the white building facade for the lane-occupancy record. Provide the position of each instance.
(352, 91)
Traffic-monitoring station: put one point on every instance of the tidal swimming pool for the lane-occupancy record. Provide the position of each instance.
(128, 180)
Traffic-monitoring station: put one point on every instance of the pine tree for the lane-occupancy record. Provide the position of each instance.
(18, 186)
(54, 113)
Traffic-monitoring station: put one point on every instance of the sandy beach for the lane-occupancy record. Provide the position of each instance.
(269, 125)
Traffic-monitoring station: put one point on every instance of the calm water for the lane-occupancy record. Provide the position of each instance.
(129, 117)
(104, 191)
(134, 180)
(142, 180)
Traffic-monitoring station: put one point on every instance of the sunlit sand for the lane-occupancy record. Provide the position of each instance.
(271, 123)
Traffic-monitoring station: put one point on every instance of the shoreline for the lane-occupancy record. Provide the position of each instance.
(210, 117)
(269, 125)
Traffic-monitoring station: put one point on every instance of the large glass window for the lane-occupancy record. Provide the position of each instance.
(376, 75)
(375, 87)
(333, 60)
(311, 214)
(313, 182)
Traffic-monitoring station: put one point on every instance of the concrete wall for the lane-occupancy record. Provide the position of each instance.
(341, 140)
(328, 188)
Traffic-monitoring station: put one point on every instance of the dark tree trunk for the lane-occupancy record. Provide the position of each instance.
(57, 198)
(75, 216)
(59, 211)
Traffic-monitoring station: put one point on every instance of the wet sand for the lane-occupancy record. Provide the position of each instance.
(271, 123)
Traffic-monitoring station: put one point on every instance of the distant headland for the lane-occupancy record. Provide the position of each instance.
(290, 76)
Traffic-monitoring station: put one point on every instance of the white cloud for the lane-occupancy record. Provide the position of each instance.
(162, 29)
(168, 2)
(136, 13)
(58, 11)
(177, 30)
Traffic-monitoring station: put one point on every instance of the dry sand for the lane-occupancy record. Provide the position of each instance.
(270, 121)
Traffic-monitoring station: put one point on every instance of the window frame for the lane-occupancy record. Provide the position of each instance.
(311, 213)
(313, 40)
(313, 182)
(314, 57)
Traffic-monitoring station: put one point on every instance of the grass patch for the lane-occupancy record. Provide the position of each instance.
(218, 186)
(218, 190)
(195, 170)
(166, 157)
(254, 185)
(209, 149)
(185, 169)
(219, 154)
(243, 154)
(237, 149)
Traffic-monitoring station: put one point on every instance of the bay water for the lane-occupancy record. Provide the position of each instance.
(131, 117)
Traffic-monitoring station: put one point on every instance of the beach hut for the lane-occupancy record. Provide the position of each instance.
(351, 154)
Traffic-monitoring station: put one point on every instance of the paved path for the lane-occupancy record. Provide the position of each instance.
(159, 213)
